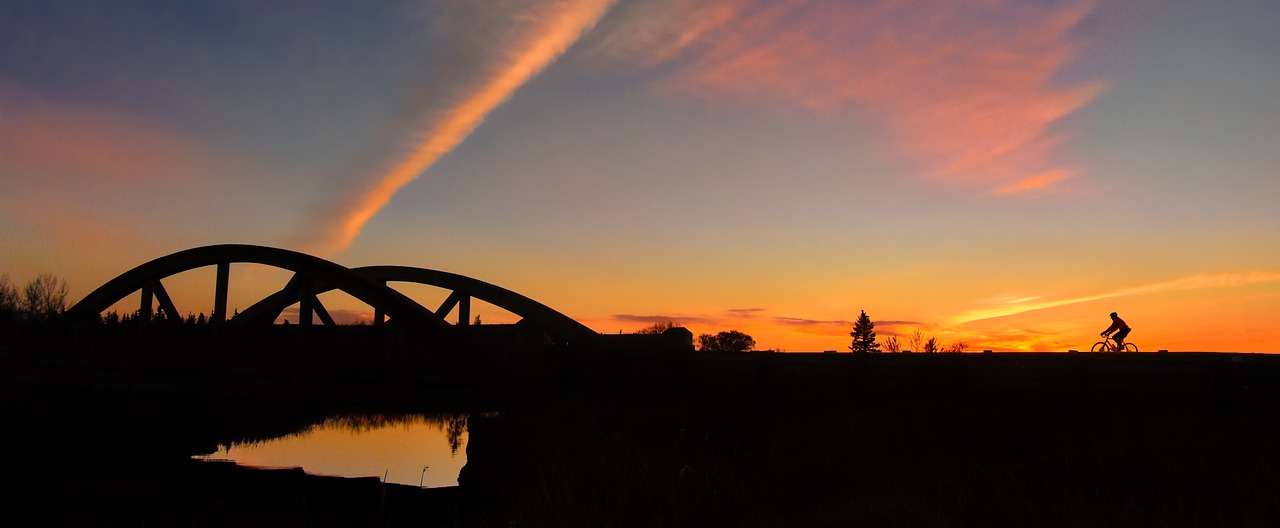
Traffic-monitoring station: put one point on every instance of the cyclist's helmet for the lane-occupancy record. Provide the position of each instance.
(1113, 314)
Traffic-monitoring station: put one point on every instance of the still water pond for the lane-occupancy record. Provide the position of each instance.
(416, 450)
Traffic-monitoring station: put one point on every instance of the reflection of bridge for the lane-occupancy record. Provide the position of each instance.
(313, 276)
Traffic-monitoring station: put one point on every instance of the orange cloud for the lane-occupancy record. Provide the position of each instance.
(1032, 183)
(62, 164)
(967, 88)
(649, 33)
(1021, 305)
(547, 35)
(78, 144)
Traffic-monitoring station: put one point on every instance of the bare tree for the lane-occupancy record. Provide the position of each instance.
(918, 341)
(9, 300)
(657, 328)
(892, 346)
(45, 297)
(957, 347)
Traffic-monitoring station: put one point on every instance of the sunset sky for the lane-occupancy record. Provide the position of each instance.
(1002, 173)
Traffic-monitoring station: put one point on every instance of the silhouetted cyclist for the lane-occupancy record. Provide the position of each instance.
(1120, 328)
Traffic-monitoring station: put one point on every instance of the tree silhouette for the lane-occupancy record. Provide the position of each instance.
(9, 300)
(864, 335)
(657, 328)
(917, 341)
(730, 341)
(45, 297)
(892, 345)
(932, 346)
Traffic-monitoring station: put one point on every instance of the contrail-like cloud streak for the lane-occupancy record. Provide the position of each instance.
(1028, 304)
(550, 31)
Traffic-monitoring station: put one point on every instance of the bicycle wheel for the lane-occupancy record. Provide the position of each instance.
(1130, 347)
(1101, 346)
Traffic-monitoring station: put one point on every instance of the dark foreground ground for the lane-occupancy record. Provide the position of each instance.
(752, 442)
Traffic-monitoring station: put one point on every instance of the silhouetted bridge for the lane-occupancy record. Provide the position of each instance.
(408, 350)
(313, 276)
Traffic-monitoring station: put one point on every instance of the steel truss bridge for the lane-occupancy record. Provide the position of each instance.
(313, 276)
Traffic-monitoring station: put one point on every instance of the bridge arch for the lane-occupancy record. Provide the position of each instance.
(310, 272)
(561, 328)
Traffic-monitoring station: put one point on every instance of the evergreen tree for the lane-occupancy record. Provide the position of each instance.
(864, 335)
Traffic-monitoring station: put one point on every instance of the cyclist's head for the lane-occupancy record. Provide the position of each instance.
(1113, 314)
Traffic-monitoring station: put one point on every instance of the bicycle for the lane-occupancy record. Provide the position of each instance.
(1109, 345)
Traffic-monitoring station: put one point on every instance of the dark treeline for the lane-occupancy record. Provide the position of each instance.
(864, 341)
(44, 299)
(727, 341)
(41, 299)
(863, 334)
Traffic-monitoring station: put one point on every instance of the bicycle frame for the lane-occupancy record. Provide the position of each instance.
(1108, 344)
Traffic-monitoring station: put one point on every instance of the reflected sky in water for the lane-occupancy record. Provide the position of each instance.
(427, 450)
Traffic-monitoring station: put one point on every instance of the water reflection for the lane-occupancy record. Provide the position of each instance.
(453, 425)
(416, 449)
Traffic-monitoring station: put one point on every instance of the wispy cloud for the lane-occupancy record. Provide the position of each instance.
(1015, 306)
(532, 37)
(650, 33)
(729, 317)
(67, 167)
(898, 323)
(819, 327)
(80, 144)
(901, 328)
(968, 89)
(1033, 183)
(651, 319)
(799, 321)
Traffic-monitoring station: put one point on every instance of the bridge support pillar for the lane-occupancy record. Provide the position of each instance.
(307, 304)
(379, 316)
(220, 293)
(145, 309)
